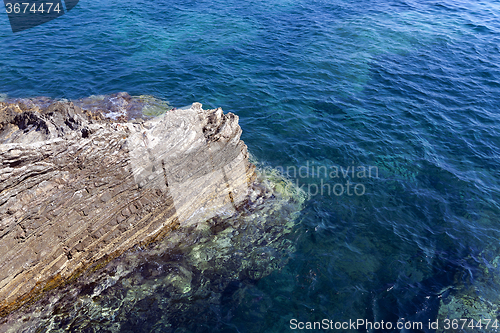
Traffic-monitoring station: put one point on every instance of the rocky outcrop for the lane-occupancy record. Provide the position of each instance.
(196, 277)
(78, 189)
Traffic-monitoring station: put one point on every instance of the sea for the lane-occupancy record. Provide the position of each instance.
(386, 113)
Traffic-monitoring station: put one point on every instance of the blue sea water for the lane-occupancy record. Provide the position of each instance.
(410, 89)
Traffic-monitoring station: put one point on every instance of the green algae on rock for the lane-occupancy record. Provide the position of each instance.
(475, 302)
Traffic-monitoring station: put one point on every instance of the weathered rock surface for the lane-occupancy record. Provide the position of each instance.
(193, 279)
(77, 190)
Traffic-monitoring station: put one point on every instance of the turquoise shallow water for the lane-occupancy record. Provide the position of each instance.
(410, 89)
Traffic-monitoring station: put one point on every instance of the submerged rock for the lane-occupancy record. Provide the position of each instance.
(78, 189)
(473, 305)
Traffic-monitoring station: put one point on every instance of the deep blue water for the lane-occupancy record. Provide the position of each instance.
(411, 89)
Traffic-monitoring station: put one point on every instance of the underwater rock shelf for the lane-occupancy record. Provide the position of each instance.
(79, 188)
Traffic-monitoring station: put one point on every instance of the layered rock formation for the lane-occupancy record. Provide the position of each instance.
(191, 281)
(78, 189)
